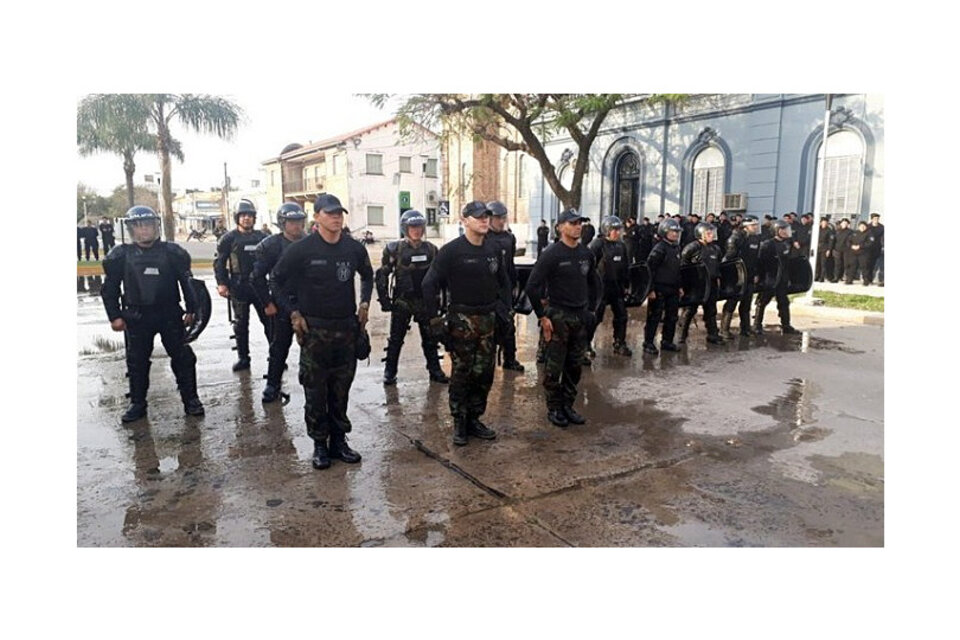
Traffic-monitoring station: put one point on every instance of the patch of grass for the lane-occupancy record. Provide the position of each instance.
(849, 301)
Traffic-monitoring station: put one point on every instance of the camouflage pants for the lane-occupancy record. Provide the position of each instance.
(328, 363)
(563, 355)
(472, 350)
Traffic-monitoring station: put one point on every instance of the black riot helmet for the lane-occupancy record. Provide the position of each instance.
(608, 224)
(701, 229)
(782, 225)
(497, 208)
(668, 224)
(411, 218)
(244, 207)
(290, 211)
(143, 223)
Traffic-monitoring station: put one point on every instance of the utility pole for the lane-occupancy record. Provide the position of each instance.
(819, 196)
(226, 197)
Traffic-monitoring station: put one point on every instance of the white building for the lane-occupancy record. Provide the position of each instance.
(374, 173)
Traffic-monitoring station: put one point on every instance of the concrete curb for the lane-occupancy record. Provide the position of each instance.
(853, 316)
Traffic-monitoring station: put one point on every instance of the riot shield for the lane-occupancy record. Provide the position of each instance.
(204, 310)
(733, 279)
(640, 282)
(695, 284)
(799, 274)
(521, 303)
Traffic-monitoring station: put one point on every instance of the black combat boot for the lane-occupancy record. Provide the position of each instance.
(340, 449)
(391, 360)
(621, 348)
(649, 347)
(558, 417)
(477, 429)
(725, 319)
(193, 406)
(270, 393)
(513, 365)
(134, 412)
(669, 346)
(460, 430)
(243, 351)
(758, 320)
(787, 329)
(714, 338)
(573, 417)
(321, 456)
(242, 364)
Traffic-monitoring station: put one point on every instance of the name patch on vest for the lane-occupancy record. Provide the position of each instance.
(418, 258)
(151, 271)
(250, 247)
(318, 261)
(617, 258)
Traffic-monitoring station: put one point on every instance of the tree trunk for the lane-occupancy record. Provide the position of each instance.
(129, 168)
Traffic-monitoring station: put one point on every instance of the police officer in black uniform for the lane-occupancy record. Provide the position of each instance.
(504, 239)
(236, 253)
(566, 276)
(703, 251)
(315, 281)
(91, 241)
(664, 297)
(149, 272)
(861, 254)
(744, 245)
(841, 249)
(543, 235)
(774, 256)
(610, 254)
(826, 238)
(472, 272)
(876, 230)
(106, 232)
(407, 260)
(291, 220)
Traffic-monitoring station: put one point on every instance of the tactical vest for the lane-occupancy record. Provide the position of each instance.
(243, 253)
(409, 265)
(149, 277)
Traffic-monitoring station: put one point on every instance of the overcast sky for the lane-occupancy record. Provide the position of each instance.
(270, 124)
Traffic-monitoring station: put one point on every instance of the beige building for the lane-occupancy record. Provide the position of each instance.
(375, 174)
(482, 170)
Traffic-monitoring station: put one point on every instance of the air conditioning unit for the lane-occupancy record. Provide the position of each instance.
(735, 202)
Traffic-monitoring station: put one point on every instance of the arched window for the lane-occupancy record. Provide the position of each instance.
(627, 189)
(844, 175)
(708, 182)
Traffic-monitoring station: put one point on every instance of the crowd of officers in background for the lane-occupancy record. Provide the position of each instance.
(460, 295)
(88, 241)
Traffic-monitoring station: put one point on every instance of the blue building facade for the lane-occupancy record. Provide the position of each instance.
(756, 153)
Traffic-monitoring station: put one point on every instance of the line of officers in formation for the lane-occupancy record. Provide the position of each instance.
(461, 295)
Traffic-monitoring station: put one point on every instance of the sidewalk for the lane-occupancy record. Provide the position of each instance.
(856, 288)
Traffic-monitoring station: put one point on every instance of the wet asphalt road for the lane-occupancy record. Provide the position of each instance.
(774, 441)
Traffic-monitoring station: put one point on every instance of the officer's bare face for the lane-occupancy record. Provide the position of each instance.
(332, 222)
(614, 234)
(672, 235)
(415, 233)
(572, 229)
(246, 221)
(708, 236)
(497, 223)
(477, 225)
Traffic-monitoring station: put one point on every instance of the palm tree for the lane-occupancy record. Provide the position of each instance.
(200, 112)
(115, 123)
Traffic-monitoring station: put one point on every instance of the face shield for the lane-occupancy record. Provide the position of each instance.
(144, 231)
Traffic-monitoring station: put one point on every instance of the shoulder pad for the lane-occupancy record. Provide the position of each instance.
(393, 246)
(114, 259)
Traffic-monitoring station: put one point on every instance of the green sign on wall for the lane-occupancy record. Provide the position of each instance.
(404, 199)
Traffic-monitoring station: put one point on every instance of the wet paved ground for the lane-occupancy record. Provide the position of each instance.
(776, 441)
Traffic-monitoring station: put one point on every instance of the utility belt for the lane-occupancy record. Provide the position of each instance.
(138, 313)
(348, 324)
(469, 310)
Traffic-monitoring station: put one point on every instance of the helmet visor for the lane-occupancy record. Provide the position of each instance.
(143, 230)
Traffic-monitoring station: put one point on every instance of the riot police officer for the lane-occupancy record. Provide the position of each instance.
(232, 266)
(664, 297)
(315, 280)
(567, 271)
(611, 258)
(149, 272)
(744, 245)
(703, 251)
(507, 243)
(106, 232)
(773, 258)
(472, 272)
(861, 252)
(405, 261)
(291, 220)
